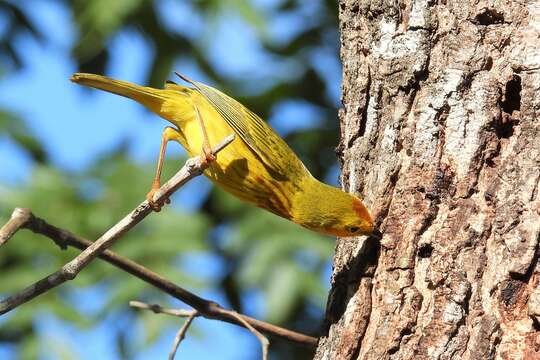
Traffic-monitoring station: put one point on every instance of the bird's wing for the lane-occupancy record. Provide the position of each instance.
(273, 151)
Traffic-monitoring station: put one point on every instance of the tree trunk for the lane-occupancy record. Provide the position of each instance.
(440, 135)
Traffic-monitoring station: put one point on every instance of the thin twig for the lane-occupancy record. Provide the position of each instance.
(206, 308)
(181, 334)
(192, 168)
(18, 218)
(262, 339)
(158, 309)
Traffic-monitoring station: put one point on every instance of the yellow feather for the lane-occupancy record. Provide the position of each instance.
(258, 166)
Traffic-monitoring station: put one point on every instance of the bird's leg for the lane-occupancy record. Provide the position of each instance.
(206, 153)
(168, 134)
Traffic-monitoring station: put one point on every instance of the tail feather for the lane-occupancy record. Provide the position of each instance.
(149, 97)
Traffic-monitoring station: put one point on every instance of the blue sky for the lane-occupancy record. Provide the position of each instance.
(76, 126)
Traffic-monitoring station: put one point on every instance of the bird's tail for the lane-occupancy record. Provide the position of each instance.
(147, 96)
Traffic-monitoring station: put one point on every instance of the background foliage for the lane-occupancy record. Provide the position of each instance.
(207, 241)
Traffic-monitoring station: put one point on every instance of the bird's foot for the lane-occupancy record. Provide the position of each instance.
(207, 157)
(156, 205)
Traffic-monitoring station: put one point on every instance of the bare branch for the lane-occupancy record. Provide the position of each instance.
(23, 218)
(206, 308)
(193, 167)
(262, 339)
(181, 334)
(18, 218)
(158, 309)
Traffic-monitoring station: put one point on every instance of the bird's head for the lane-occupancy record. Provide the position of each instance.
(352, 222)
(331, 211)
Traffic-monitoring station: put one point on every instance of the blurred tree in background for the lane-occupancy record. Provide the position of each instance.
(254, 256)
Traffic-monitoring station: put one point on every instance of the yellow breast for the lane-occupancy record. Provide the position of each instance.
(236, 169)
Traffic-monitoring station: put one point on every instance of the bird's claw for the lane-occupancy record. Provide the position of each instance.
(156, 205)
(207, 157)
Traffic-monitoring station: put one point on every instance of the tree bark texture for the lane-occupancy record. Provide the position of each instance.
(440, 136)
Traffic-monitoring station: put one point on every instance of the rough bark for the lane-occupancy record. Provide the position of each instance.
(440, 135)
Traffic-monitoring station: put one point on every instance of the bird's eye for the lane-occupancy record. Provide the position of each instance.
(354, 229)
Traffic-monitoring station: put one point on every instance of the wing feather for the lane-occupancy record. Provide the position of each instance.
(273, 151)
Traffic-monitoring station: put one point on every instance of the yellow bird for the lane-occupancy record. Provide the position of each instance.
(258, 166)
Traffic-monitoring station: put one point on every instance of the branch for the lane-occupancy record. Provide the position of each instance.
(157, 309)
(181, 334)
(18, 218)
(193, 167)
(262, 339)
(206, 308)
